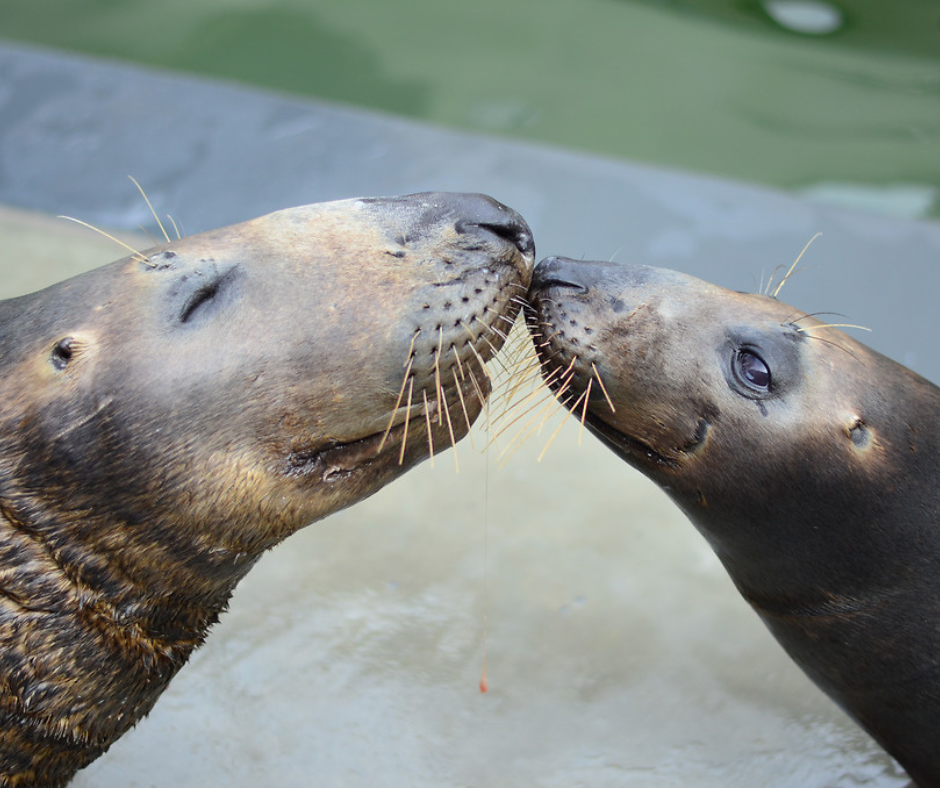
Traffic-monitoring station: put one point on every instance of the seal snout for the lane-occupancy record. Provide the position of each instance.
(558, 272)
(482, 212)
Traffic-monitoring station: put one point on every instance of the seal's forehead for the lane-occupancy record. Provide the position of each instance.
(760, 308)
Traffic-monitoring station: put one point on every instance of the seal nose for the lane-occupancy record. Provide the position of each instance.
(560, 272)
(483, 212)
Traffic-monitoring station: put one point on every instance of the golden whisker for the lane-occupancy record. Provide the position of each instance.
(505, 318)
(600, 382)
(176, 228)
(832, 325)
(481, 397)
(404, 439)
(551, 439)
(544, 396)
(150, 206)
(587, 396)
(427, 418)
(463, 404)
(437, 361)
(484, 337)
(442, 405)
(482, 365)
(549, 409)
(783, 281)
(138, 256)
(401, 391)
(499, 316)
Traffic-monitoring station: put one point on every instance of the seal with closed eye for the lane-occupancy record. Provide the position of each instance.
(167, 418)
(808, 461)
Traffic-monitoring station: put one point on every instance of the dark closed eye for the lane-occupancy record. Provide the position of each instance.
(751, 370)
(210, 297)
(198, 300)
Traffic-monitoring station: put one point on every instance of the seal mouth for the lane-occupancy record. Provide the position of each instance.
(343, 459)
(639, 451)
(424, 428)
(336, 461)
(627, 446)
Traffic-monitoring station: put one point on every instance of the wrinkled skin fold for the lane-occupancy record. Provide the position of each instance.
(167, 418)
(807, 460)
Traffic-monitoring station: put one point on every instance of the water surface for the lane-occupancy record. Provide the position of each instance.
(838, 100)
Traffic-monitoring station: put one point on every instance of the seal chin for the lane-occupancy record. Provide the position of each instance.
(337, 461)
(630, 449)
(402, 443)
(641, 452)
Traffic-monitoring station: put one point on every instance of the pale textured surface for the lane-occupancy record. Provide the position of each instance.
(619, 654)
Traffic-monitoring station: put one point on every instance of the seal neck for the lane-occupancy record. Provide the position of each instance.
(78, 624)
(133, 569)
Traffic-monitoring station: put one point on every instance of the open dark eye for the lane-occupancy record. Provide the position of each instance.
(751, 370)
(62, 353)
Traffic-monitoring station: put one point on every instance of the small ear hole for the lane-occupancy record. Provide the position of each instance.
(63, 353)
(860, 434)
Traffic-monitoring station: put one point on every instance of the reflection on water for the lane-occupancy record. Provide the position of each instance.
(825, 96)
(806, 16)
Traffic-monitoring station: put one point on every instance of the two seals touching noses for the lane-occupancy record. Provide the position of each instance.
(809, 462)
(167, 418)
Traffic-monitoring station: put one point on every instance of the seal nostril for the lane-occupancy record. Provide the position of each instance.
(555, 272)
(514, 232)
(511, 230)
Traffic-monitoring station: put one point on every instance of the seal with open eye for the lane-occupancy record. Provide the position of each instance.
(808, 461)
(167, 418)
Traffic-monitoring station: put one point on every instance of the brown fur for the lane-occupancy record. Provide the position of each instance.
(166, 419)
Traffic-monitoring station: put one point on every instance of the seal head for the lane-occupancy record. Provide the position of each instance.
(167, 418)
(806, 459)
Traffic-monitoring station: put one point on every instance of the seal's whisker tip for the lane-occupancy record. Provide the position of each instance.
(137, 255)
(176, 229)
(156, 216)
(803, 329)
(792, 270)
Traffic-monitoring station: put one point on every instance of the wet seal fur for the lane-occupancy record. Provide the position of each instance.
(809, 462)
(167, 418)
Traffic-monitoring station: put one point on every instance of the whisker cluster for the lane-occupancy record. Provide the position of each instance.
(533, 386)
(135, 254)
(460, 373)
(807, 330)
(775, 292)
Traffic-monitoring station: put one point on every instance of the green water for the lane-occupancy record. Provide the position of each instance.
(838, 99)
